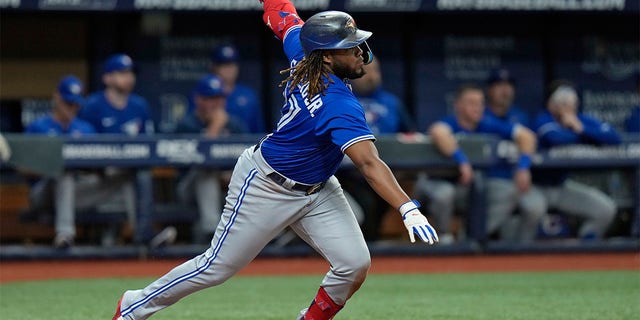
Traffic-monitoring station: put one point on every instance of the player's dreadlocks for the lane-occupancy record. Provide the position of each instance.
(311, 69)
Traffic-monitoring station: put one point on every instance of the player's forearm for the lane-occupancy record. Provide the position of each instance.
(280, 16)
(384, 183)
(443, 139)
(602, 134)
(526, 141)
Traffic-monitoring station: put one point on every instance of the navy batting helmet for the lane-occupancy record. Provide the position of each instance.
(334, 30)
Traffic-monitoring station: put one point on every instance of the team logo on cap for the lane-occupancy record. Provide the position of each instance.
(350, 25)
(75, 88)
(228, 52)
(126, 60)
(215, 84)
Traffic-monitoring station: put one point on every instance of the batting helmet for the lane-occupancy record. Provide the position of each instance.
(334, 30)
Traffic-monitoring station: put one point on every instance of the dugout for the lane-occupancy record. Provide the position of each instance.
(427, 47)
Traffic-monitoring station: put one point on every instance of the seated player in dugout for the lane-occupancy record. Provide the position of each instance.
(287, 179)
(563, 124)
(118, 110)
(504, 196)
(242, 100)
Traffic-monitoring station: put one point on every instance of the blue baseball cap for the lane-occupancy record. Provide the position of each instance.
(118, 62)
(499, 75)
(209, 86)
(225, 53)
(70, 89)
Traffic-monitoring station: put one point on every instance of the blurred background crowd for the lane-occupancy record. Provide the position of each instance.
(535, 78)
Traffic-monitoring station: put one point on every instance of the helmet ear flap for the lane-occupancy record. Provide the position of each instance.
(367, 54)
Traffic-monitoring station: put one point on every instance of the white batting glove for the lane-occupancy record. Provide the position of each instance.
(417, 223)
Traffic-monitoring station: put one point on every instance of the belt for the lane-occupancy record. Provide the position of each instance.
(308, 189)
(279, 179)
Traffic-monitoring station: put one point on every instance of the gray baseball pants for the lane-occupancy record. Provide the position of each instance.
(256, 210)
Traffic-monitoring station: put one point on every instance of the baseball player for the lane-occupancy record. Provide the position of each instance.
(72, 190)
(242, 101)
(62, 121)
(117, 110)
(503, 195)
(287, 178)
(562, 124)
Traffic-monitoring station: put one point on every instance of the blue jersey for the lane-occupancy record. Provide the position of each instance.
(488, 125)
(132, 120)
(384, 112)
(309, 141)
(49, 126)
(551, 133)
(243, 103)
(632, 124)
(190, 123)
(502, 169)
(514, 115)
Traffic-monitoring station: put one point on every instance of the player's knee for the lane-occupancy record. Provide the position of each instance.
(604, 211)
(356, 269)
(609, 211)
(534, 211)
(360, 272)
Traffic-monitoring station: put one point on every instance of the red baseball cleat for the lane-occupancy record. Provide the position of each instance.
(118, 316)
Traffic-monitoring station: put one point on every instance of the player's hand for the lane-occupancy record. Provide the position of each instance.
(466, 174)
(417, 223)
(522, 179)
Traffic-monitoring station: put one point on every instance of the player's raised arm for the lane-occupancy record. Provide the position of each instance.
(280, 16)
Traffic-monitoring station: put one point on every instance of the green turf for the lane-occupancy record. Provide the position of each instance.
(537, 296)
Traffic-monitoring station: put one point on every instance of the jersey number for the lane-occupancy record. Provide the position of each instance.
(290, 114)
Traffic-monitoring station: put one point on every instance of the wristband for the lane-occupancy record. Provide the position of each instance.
(460, 157)
(408, 207)
(524, 162)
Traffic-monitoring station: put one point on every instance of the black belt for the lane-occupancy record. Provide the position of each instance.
(308, 189)
(279, 179)
(259, 143)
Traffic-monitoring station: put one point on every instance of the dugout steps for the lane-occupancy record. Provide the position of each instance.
(383, 248)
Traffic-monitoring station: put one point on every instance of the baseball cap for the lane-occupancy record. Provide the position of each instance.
(500, 74)
(70, 89)
(209, 86)
(225, 53)
(118, 62)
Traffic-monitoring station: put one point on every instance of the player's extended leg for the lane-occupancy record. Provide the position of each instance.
(254, 213)
(533, 207)
(65, 213)
(331, 229)
(209, 199)
(502, 198)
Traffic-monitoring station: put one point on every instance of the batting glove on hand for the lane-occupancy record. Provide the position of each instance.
(417, 223)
